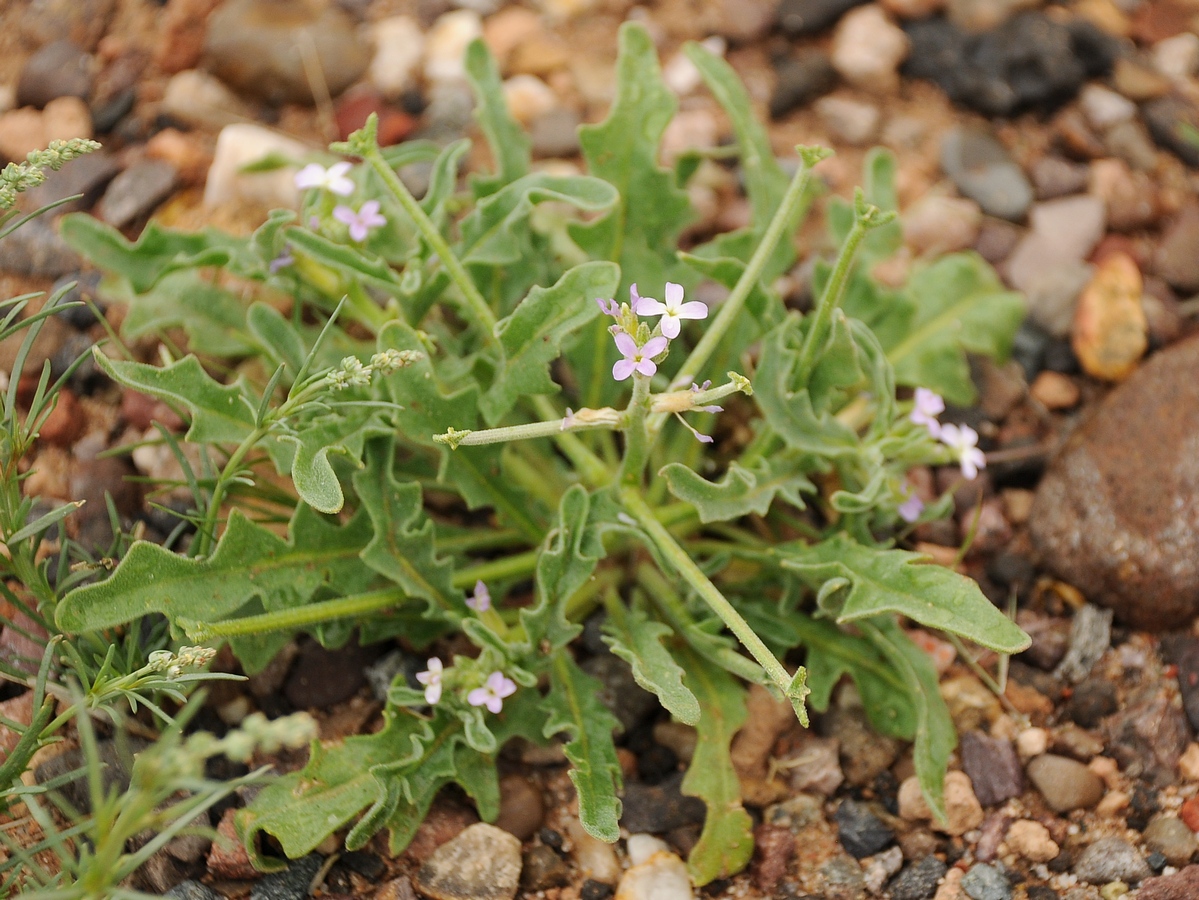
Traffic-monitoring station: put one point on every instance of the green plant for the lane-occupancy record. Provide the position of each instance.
(423, 346)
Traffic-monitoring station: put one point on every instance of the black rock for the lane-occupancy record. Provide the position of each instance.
(86, 288)
(1171, 122)
(801, 79)
(552, 839)
(862, 832)
(1030, 62)
(1155, 860)
(660, 808)
(366, 864)
(1040, 892)
(290, 884)
(543, 868)
(806, 16)
(993, 767)
(1092, 700)
(59, 69)
(1093, 47)
(595, 890)
(109, 113)
(919, 880)
(1142, 806)
(1028, 348)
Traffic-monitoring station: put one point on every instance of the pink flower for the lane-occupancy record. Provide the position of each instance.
(331, 179)
(637, 359)
(911, 508)
(963, 440)
(480, 601)
(673, 311)
(360, 222)
(609, 307)
(637, 303)
(927, 407)
(492, 694)
(431, 679)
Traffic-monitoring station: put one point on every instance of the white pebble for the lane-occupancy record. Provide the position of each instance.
(1032, 742)
(661, 877)
(446, 43)
(202, 100)
(238, 146)
(680, 73)
(851, 121)
(868, 48)
(399, 46)
(528, 98)
(1104, 108)
(641, 847)
(1177, 57)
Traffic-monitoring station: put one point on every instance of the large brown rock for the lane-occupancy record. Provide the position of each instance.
(1117, 513)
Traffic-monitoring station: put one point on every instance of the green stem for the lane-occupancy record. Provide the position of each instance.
(583, 420)
(636, 440)
(731, 308)
(518, 565)
(699, 582)
(476, 305)
(593, 470)
(481, 540)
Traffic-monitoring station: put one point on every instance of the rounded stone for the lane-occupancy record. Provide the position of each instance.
(1172, 838)
(1064, 783)
(1111, 859)
(273, 49)
(1131, 543)
(481, 863)
(59, 69)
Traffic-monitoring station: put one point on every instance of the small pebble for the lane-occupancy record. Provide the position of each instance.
(293, 883)
(962, 808)
(1065, 784)
(984, 882)
(801, 78)
(1111, 859)
(1188, 763)
(542, 869)
(918, 881)
(399, 47)
(1182, 885)
(238, 146)
(446, 43)
(982, 170)
(662, 876)
(481, 863)
(1055, 391)
(522, 809)
(935, 224)
(1177, 57)
(1105, 108)
(851, 121)
(1172, 838)
(993, 767)
(595, 859)
(868, 48)
(1032, 742)
(59, 69)
(862, 832)
(1032, 841)
(137, 192)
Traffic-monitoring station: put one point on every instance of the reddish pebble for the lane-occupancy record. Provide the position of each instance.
(1189, 813)
(65, 423)
(356, 106)
(228, 857)
(773, 848)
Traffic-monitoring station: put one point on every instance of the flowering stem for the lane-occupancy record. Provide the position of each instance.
(791, 686)
(636, 440)
(865, 217)
(783, 219)
(475, 304)
(583, 420)
(593, 470)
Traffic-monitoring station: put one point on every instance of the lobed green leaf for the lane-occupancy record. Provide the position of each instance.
(638, 640)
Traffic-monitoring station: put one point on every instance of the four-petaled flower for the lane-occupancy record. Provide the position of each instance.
(673, 311)
(493, 692)
(331, 179)
(963, 440)
(927, 407)
(637, 359)
(362, 221)
(431, 679)
(480, 601)
(911, 508)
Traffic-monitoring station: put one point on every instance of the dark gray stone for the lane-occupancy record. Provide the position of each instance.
(1148, 736)
(806, 16)
(192, 890)
(293, 883)
(980, 167)
(87, 175)
(993, 767)
(1091, 701)
(802, 78)
(37, 249)
(136, 192)
(1168, 119)
(862, 832)
(321, 678)
(919, 880)
(659, 808)
(543, 868)
(60, 69)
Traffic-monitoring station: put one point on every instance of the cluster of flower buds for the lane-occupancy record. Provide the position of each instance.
(640, 348)
(354, 373)
(175, 664)
(490, 694)
(17, 177)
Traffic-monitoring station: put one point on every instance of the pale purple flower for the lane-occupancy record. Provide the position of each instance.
(609, 307)
(331, 179)
(568, 420)
(431, 679)
(480, 601)
(963, 440)
(360, 222)
(927, 406)
(492, 693)
(674, 310)
(911, 508)
(637, 303)
(637, 359)
(283, 260)
(696, 388)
